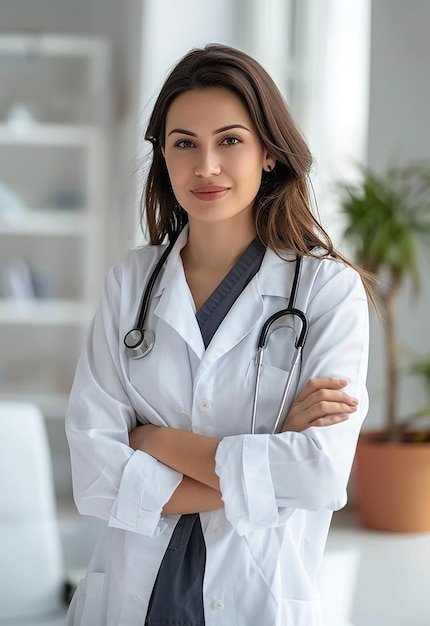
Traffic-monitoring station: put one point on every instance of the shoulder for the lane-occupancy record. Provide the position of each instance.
(317, 271)
(139, 258)
(327, 277)
(125, 279)
(326, 267)
(135, 262)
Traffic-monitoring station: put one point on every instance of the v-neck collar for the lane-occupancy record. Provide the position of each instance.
(176, 306)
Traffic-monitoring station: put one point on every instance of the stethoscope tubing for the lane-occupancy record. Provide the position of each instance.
(262, 344)
(287, 389)
(146, 299)
(301, 339)
(139, 341)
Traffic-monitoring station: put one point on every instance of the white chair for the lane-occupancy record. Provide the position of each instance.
(31, 564)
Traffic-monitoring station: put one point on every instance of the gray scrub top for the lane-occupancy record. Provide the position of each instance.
(177, 596)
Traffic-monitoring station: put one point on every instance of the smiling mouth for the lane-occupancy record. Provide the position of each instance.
(210, 192)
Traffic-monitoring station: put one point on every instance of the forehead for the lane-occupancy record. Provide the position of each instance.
(213, 107)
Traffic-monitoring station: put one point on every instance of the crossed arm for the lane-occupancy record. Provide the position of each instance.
(321, 403)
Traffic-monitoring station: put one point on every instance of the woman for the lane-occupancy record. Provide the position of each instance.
(208, 522)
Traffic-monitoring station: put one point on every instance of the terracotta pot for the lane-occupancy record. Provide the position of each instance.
(393, 484)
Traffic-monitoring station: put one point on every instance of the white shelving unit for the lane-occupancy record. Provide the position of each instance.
(54, 126)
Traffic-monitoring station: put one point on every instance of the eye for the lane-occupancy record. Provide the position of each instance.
(231, 141)
(184, 143)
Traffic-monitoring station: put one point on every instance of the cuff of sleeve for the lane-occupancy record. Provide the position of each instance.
(146, 485)
(242, 465)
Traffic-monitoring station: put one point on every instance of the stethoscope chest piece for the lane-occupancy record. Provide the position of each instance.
(139, 342)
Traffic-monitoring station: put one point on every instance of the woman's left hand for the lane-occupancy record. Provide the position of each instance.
(321, 403)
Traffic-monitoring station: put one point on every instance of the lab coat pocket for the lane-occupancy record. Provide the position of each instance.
(89, 608)
(277, 361)
(300, 613)
(271, 389)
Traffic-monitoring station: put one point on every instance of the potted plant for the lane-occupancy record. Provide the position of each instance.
(387, 215)
(420, 367)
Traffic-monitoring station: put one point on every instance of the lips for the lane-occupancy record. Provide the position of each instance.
(210, 192)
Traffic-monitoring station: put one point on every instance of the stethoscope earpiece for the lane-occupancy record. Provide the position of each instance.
(139, 342)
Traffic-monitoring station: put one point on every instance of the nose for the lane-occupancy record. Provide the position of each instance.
(207, 164)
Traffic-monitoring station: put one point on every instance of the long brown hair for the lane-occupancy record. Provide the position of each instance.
(282, 207)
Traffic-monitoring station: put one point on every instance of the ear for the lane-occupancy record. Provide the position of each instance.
(269, 163)
(162, 151)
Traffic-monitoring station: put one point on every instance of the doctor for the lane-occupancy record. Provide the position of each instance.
(207, 523)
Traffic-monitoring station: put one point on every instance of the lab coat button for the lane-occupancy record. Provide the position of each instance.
(218, 605)
(205, 405)
(218, 530)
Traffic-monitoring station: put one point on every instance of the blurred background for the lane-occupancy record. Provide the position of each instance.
(77, 81)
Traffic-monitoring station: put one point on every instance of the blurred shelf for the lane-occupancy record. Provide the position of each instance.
(49, 135)
(44, 312)
(54, 137)
(46, 223)
(43, 45)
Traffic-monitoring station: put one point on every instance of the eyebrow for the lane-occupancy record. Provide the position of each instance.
(215, 132)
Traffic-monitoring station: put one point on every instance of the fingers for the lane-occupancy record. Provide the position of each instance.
(329, 403)
(321, 403)
(316, 384)
(325, 402)
(325, 389)
(329, 420)
(322, 415)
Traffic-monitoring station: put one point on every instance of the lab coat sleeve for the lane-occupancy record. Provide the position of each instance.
(111, 481)
(264, 478)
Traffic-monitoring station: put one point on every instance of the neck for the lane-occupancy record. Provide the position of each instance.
(216, 247)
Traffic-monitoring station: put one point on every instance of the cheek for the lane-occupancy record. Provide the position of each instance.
(180, 184)
(251, 174)
(179, 163)
(176, 173)
(251, 162)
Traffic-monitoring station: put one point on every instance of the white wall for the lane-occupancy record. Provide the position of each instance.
(399, 128)
(168, 32)
(333, 109)
(170, 29)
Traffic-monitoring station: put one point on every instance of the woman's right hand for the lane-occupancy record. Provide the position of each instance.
(321, 403)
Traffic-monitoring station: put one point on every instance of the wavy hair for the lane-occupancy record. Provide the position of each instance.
(282, 208)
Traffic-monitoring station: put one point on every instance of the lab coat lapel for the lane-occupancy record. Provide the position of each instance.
(241, 318)
(276, 274)
(176, 308)
(173, 301)
(248, 310)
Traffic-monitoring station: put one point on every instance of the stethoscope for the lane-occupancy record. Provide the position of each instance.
(140, 340)
(298, 347)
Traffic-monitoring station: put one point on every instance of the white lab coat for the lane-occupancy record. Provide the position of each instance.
(264, 548)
